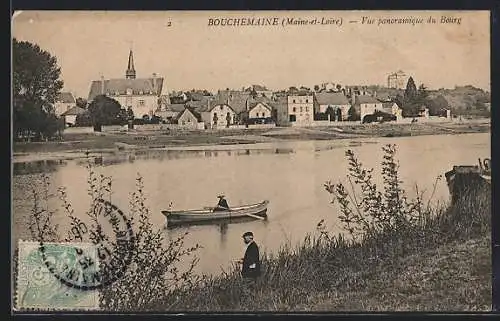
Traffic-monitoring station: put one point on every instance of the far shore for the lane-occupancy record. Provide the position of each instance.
(74, 146)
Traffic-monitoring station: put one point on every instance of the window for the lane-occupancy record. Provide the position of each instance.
(189, 120)
(301, 109)
(294, 109)
(292, 118)
(307, 100)
(221, 107)
(307, 109)
(141, 102)
(294, 101)
(141, 92)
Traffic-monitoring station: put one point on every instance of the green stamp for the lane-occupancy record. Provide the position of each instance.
(38, 289)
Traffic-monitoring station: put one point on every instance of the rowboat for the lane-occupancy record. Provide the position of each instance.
(207, 214)
(464, 177)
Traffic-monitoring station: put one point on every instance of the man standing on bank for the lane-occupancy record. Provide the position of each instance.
(251, 261)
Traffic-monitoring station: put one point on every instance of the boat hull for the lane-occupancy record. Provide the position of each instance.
(207, 215)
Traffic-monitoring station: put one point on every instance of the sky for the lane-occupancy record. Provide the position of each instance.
(188, 53)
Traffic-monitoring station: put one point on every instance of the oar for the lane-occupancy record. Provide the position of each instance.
(255, 216)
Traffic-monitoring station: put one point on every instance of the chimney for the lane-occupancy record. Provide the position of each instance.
(102, 85)
(154, 83)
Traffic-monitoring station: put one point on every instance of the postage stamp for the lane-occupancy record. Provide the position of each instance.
(39, 289)
(114, 255)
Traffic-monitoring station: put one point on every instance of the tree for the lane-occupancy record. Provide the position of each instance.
(81, 102)
(316, 88)
(105, 111)
(130, 114)
(352, 114)
(339, 87)
(437, 105)
(412, 101)
(411, 90)
(36, 85)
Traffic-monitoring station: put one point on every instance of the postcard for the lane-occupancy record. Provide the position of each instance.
(255, 161)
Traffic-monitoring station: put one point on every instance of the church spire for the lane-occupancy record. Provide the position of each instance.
(130, 73)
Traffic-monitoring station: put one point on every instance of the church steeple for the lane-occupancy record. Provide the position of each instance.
(130, 73)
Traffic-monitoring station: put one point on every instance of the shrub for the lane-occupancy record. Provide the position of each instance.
(153, 273)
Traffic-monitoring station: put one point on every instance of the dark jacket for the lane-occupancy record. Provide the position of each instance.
(222, 205)
(251, 257)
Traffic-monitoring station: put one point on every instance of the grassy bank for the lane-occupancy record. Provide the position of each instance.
(92, 142)
(443, 264)
(396, 254)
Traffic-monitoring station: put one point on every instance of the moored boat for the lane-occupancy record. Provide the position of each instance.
(464, 177)
(207, 214)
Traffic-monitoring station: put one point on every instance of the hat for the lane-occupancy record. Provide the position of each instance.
(248, 234)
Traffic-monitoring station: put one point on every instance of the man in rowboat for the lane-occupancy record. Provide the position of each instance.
(222, 205)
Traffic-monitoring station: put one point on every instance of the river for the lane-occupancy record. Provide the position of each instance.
(290, 174)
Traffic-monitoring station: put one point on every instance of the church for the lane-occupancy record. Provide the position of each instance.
(139, 94)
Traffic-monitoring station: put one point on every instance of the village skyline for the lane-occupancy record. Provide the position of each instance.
(190, 55)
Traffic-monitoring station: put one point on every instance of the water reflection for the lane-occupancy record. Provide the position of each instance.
(120, 157)
(223, 235)
(37, 167)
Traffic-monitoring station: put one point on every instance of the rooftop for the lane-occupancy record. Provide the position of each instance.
(139, 86)
(66, 97)
(331, 99)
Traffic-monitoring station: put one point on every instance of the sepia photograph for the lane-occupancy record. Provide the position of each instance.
(251, 161)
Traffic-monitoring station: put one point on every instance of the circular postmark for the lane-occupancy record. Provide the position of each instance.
(92, 265)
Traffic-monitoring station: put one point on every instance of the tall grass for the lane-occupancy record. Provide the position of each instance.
(153, 272)
(381, 226)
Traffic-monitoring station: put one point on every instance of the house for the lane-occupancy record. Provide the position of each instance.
(142, 95)
(260, 112)
(301, 108)
(170, 111)
(238, 100)
(217, 115)
(393, 109)
(189, 119)
(64, 102)
(367, 105)
(423, 112)
(334, 105)
(71, 114)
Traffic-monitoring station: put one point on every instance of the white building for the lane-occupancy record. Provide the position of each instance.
(367, 105)
(393, 109)
(217, 115)
(397, 80)
(64, 102)
(332, 103)
(301, 109)
(189, 119)
(259, 110)
(140, 94)
(71, 114)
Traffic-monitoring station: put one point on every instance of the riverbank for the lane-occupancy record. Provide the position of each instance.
(76, 145)
(441, 265)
